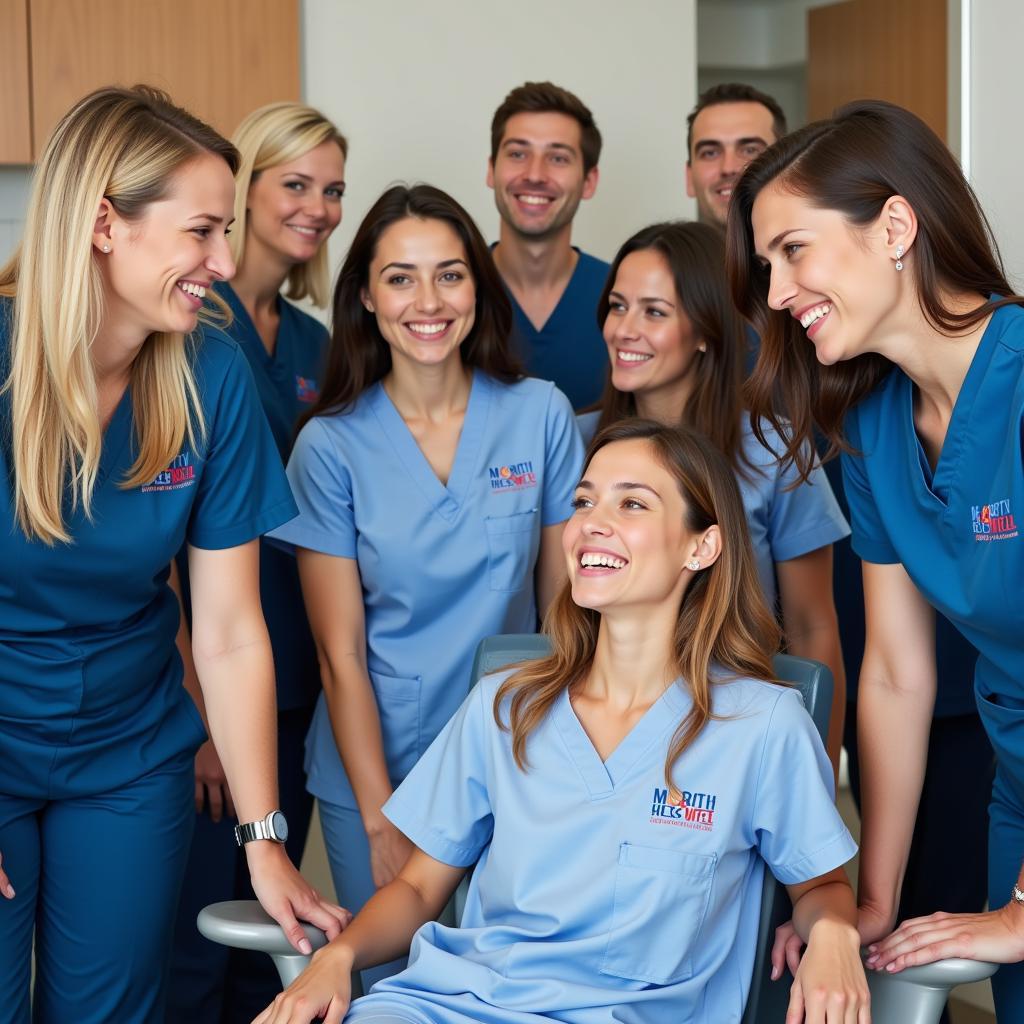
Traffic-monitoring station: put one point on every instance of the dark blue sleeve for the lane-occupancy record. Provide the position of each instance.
(243, 491)
(870, 538)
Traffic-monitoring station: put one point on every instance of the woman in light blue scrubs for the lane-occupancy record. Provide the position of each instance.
(289, 188)
(887, 323)
(126, 432)
(432, 481)
(621, 798)
(676, 347)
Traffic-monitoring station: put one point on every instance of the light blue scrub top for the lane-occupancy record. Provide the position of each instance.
(599, 894)
(441, 566)
(90, 678)
(783, 523)
(956, 531)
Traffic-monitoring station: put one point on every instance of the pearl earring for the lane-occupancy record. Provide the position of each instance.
(106, 248)
(693, 565)
(899, 257)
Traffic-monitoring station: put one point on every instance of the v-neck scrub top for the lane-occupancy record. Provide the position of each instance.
(956, 531)
(599, 893)
(785, 521)
(441, 566)
(90, 679)
(288, 383)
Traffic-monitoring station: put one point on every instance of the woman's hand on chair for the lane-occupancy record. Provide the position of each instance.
(996, 936)
(287, 897)
(323, 990)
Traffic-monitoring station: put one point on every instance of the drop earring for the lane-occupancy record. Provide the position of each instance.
(899, 257)
(693, 565)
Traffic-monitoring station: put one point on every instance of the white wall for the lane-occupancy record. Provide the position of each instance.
(14, 185)
(993, 83)
(414, 87)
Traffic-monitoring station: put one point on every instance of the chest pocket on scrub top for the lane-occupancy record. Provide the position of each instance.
(661, 897)
(512, 543)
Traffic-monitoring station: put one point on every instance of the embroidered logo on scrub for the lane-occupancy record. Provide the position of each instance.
(306, 389)
(516, 476)
(993, 521)
(180, 473)
(683, 809)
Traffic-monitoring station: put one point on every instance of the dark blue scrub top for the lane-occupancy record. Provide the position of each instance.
(955, 530)
(90, 679)
(288, 383)
(569, 349)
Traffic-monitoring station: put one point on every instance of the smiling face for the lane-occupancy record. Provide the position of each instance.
(421, 291)
(159, 267)
(725, 138)
(537, 175)
(650, 339)
(836, 278)
(293, 207)
(627, 543)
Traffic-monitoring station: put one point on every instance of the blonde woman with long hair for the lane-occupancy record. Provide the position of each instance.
(620, 798)
(126, 432)
(289, 188)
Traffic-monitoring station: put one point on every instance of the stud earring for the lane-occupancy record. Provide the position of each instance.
(899, 257)
(693, 565)
(106, 248)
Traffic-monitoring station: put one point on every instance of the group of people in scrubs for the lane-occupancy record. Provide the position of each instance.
(617, 801)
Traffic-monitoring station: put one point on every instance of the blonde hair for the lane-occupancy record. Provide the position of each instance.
(273, 135)
(723, 620)
(124, 145)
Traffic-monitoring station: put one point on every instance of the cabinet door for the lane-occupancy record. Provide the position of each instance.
(877, 49)
(16, 122)
(218, 58)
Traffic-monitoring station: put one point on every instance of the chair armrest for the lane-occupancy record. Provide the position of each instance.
(917, 995)
(244, 924)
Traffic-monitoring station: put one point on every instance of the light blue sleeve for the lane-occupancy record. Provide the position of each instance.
(796, 825)
(563, 460)
(870, 538)
(444, 804)
(322, 488)
(805, 517)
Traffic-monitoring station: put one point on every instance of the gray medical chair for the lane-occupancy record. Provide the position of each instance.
(915, 996)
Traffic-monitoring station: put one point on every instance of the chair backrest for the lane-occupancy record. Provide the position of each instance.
(768, 1000)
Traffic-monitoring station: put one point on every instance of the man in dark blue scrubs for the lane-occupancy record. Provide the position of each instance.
(544, 152)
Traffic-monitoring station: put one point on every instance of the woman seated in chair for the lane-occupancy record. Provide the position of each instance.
(620, 798)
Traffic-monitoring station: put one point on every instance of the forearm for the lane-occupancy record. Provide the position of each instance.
(355, 724)
(893, 726)
(238, 687)
(829, 904)
(818, 639)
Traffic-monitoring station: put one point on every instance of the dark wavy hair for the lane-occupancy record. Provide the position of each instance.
(854, 163)
(695, 254)
(359, 356)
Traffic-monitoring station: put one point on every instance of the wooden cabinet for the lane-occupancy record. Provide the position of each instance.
(219, 58)
(16, 122)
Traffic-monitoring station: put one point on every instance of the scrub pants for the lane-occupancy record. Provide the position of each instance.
(210, 983)
(949, 855)
(97, 877)
(348, 851)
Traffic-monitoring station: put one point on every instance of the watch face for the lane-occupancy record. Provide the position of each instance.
(279, 827)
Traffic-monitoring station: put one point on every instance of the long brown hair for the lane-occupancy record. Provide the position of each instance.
(359, 356)
(723, 619)
(695, 254)
(854, 163)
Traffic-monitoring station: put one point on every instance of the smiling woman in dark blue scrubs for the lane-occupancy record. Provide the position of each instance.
(125, 433)
(288, 202)
(860, 253)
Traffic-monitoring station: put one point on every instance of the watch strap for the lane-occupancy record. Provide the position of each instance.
(250, 832)
(1018, 896)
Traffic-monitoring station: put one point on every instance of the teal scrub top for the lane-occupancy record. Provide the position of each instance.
(441, 566)
(288, 383)
(956, 530)
(90, 679)
(599, 893)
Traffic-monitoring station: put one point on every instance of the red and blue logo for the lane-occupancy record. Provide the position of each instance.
(683, 809)
(516, 476)
(993, 521)
(180, 473)
(306, 389)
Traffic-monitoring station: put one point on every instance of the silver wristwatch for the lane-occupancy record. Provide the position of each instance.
(1018, 896)
(272, 827)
